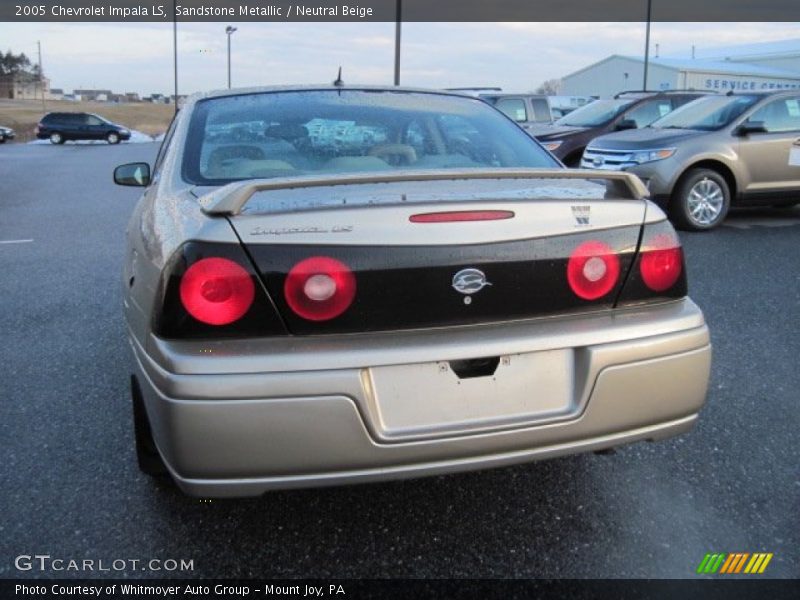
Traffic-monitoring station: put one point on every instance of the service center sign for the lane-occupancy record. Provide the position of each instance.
(716, 82)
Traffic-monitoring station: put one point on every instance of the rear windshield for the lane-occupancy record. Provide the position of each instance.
(597, 113)
(707, 113)
(285, 134)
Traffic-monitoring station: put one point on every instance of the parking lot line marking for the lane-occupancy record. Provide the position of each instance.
(757, 222)
(15, 241)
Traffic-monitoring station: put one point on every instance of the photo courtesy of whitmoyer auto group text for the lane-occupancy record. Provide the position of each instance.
(447, 299)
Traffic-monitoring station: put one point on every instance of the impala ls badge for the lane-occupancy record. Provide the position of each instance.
(469, 281)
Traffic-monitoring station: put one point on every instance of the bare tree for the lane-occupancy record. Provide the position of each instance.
(13, 64)
(551, 87)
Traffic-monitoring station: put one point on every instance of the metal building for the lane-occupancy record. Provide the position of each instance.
(766, 66)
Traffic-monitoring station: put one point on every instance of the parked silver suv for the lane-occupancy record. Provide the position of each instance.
(711, 153)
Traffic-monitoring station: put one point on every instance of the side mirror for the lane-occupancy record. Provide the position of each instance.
(626, 124)
(133, 174)
(749, 127)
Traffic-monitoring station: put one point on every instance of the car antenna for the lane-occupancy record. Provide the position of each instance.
(339, 81)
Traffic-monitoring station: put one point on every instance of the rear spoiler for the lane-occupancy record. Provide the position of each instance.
(230, 199)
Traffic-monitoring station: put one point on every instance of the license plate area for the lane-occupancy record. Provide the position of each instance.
(457, 397)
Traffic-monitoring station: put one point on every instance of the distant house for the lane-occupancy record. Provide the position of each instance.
(23, 86)
(93, 95)
(124, 98)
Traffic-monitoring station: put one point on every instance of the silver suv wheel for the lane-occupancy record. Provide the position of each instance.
(705, 201)
(701, 200)
(56, 138)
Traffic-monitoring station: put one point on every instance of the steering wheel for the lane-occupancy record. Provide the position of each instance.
(402, 153)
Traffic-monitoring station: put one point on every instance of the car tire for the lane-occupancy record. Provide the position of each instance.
(147, 455)
(56, 138)
(701, 200)
(573, 161)
(2, 140)
(113, 137)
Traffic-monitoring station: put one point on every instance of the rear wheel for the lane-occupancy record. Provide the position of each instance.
(112, 138)
(147, 455)
(56, 138)
(701, 200)
(573, 161)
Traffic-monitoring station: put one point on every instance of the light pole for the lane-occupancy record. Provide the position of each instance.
(397, 28)
(229, 30)
(175, 52)
(647, 43)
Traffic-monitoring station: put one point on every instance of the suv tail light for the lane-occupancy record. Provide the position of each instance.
(319, 288)
(593, 270)
(217, 291)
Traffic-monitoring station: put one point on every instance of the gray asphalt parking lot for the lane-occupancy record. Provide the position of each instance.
(71, 488)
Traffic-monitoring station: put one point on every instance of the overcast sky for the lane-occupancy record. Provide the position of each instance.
(137, 57)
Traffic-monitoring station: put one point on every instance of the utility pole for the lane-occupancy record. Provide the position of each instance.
(397, 26)
(175, 51)
(41, 76)
(647, 43)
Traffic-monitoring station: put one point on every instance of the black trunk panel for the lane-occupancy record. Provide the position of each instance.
(405, 287)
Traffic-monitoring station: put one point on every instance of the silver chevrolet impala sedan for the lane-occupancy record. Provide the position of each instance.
(341, 284)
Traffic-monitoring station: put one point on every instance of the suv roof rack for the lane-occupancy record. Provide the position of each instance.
(759, 92)
(654, 92)
(474, 89)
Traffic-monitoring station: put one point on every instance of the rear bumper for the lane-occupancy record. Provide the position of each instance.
(236, 420)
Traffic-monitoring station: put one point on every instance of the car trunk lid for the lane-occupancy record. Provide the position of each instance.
(441, 252)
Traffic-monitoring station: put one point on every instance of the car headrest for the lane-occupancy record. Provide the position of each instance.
(286, 131)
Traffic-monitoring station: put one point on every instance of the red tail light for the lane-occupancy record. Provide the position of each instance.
(661, 265)
(592, 270)
(457, 216)
(319, 288)
(217, 291)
